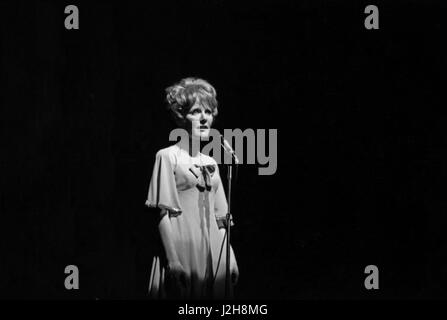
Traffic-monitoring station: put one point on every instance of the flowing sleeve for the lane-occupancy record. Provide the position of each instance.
(220, 204)
(162, 188)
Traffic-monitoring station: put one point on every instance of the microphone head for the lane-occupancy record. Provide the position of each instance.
(228, 149)
(227, 146)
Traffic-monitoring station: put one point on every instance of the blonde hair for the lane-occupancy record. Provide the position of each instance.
(182, 96)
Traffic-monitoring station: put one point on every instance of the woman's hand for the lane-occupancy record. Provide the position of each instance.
(177, 278)
(234, 269)
(177, 281)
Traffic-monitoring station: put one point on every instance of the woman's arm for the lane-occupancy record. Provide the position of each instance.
(176, 275)
(165, 229)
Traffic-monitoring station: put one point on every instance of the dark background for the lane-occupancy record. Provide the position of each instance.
(361, 142)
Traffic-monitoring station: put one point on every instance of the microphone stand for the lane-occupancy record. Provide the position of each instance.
(228, 227)
(228, 217)
(228, 291)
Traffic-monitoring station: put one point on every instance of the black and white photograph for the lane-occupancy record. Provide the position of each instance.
(199, 151)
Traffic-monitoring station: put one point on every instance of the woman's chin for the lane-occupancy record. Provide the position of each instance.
(202, 135)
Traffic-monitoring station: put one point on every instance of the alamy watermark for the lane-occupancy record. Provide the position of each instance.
(256, 146)
(72, 280)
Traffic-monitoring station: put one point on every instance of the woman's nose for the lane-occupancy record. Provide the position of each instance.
(203, 116)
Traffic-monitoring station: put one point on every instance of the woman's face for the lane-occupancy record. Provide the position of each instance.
(198, 121)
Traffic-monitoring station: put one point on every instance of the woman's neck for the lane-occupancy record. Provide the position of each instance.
(191, 146)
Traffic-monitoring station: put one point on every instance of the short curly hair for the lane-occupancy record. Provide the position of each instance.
(182, 96)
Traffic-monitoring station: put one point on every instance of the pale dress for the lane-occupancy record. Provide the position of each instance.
(191, 190)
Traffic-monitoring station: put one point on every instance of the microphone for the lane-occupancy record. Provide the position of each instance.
(228, 149)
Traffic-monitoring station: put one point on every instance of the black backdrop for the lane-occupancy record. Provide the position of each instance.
(361, 142)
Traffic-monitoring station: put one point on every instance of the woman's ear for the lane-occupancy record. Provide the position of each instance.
(213, 122)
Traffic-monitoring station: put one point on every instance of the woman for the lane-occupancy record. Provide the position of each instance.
(188, 190)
